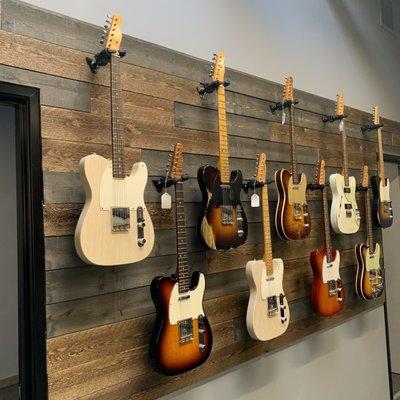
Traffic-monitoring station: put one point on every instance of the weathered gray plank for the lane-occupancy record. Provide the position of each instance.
(29, 20)
(54, 91)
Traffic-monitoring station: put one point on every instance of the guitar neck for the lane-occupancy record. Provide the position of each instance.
(181, 243)
(223, 162)
(327, 228)
(117, 139)
(292, 146)
(267, 232)
(344, 150)
(380, 157)
(368, 213)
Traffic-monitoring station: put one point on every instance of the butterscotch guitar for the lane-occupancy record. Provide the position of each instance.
(369, 277)
(292, 218)
(114, 227)
(268, 310)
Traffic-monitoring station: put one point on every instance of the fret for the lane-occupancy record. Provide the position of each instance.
(266, 231)
(292, 146)
(181, 244)
(381, 164)
(223, 162)
(370, 237)
(117, 139)
(327, 231)
(345, 161)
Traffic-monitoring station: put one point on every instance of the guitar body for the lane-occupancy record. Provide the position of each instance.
(95, 241)
(215, 230)
(369, 280)
(324, 301)
(382, 212)
(345, 217)
(175, 349)
(266, 296)
(292, 219)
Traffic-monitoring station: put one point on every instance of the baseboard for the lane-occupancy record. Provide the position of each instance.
(6, 382)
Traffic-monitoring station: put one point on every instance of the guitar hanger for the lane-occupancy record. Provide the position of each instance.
(101, 59)
(333, 118)
(253, 184)
(280, 105)
(317, 186)
(161, 183)
(370, 127)
(205, 88)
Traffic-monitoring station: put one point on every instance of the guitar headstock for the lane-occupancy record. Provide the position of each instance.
(176, 164)
(261, 168)
(339, 109)
(217, 72)
(320, 173)
(288, 89)
(112, 33)
(364, 176)
(376, 120)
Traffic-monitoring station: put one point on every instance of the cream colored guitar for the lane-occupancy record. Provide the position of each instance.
(345, 217)
(114, 227)
(268, 310)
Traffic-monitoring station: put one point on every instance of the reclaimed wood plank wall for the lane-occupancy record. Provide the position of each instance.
(99, 319)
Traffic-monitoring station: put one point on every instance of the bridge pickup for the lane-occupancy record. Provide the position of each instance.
(185, 330)
(120, 219)
(332, 288)
(140, 226)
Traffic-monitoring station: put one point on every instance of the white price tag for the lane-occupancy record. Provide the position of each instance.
(255, 200)
(283, 116)
(166, 201)
(341, 125)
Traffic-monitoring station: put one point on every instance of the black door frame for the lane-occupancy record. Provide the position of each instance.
(31, 274)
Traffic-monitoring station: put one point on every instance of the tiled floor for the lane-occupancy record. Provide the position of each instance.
(9, 393)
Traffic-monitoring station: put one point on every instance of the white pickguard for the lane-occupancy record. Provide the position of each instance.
(341, 223)
(272, 286)
(123, 192)
(372, 261)
(384, 191)
(330, 271)
(186, 305)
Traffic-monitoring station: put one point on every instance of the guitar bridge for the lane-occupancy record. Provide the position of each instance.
(185, 330)
(298, 211)
(332, 288)
(227, 215)
(120, 219)
(272, 303)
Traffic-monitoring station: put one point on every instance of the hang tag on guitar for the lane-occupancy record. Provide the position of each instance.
(166, 201)
(341, 125)
(283, 116)
(255, 200)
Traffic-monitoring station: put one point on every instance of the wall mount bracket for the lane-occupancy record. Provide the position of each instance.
(333, 118)
(280, 105)
(101, 59)
(162, 183)
(205, 88)
(370, 127)
(253, 184)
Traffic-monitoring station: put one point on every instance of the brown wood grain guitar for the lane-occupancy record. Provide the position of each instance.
(222, 222)
(182, 338)
(292, 218)
(327, 292)
(369, 277)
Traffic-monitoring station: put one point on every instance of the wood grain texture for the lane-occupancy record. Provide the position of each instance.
(99, 319)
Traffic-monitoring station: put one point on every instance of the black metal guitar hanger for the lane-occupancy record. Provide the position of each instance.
(317, 186)
(253, 184)
(101, 59)
(370, 127)
(333, 118)
(205, 88)
(280, 105)
(162, 183)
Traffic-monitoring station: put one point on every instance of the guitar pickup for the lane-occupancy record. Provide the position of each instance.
(140, 223)
(184, 297)
(120, 219)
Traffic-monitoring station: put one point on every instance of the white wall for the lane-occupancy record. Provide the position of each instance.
(8, 247)
(328, 45)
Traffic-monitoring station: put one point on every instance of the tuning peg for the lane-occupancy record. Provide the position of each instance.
(101, 41)
(106, 26)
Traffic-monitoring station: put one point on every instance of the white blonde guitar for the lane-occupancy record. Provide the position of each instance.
(114, 227)
(345, 216)
(268, 310)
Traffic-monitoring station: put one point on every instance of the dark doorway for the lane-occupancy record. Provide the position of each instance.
(22, 290)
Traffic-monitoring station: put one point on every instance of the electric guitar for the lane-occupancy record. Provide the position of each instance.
(382, 205)
(369, 278)
(345, 216)
(222, 222)
(292, 218)
(268, 310)
(114, 227)
(181, 338)
(327, 293)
